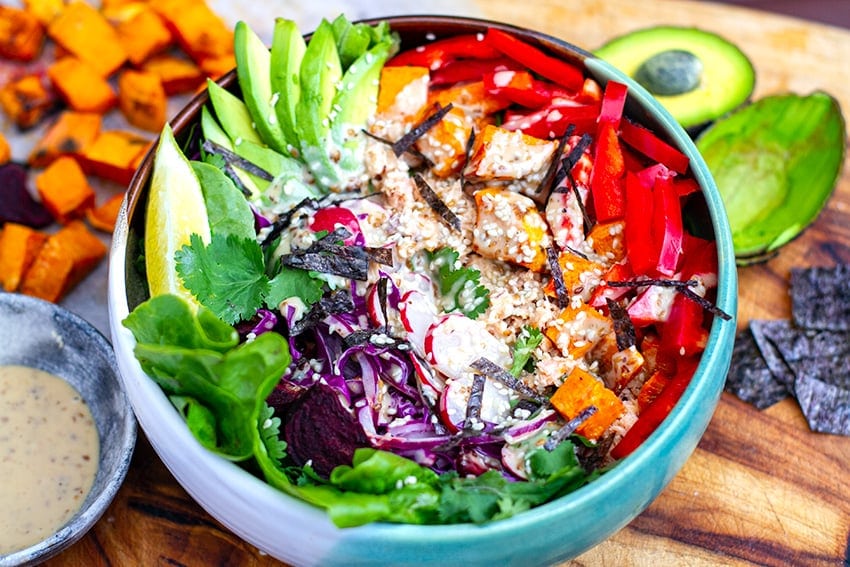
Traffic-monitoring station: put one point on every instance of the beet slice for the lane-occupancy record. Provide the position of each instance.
(319, 430)
(16, 203)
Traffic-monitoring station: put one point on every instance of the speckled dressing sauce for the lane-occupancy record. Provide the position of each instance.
(49, 452)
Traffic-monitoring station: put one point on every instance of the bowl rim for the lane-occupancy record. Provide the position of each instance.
(87, 516)
(704, 388)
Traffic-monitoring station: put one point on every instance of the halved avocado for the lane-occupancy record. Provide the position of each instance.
(697, 75)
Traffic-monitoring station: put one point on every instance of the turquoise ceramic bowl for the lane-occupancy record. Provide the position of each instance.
(300, 534)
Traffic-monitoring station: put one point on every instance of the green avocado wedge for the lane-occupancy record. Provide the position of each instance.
(697, 75)
(775, 162)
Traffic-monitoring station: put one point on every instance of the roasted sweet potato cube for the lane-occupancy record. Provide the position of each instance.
(143, 35)
(114, 155)
(21, 34)
(45, 11)
(578, 329)
(582, 390)
(85, 33)
(64, 259)
(81, 86)
(473, 98)
(579, 274)
(27, 100)
(217, 66)
(19, 246)
(103, 217)
(5, 150)
(403, 90)
(64, 189)
(199, 31)
(445, 143)
(68, 135)
(607, 240)
(142, 99)
(177, 75)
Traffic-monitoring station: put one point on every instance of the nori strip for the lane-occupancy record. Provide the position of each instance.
(285, 220)
(436, 204)
(404, 143)
(560, 435)
(338, 301)
(541, 194)
(233, 159)
(749, 377)
(231, 174)
(624, 330)
(820, 297)
(411, 150)
(682, 287)
(470, 141)
(561, 292)
(493, 370)
(473, 404)
(570, 161)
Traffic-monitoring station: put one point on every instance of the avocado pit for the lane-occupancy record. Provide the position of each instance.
(670, 72)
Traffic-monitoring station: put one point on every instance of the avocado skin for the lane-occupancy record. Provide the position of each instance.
(728, 76)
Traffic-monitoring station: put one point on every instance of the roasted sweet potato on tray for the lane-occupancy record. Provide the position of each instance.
(21, 34)
(177, 74)
(69, 135)
(64, 259)
(142, 100)
(104, 216)
(64, 189)
(84, 32)
(199, 31)
(5, 150)
(27, 100)
(143, 34)
(45, 11)
(115, 155)
(81, 86)
(19, 246)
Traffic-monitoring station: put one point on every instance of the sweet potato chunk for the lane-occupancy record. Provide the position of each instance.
(578, 329)
(45, 11)
(115, 155)
(217, 66)
(64, 259)
(142, 100)
(509, 227)
(177, 75)
(104, 216)
(5, 150)
(21, 34)
(27, 100)
(19, 246)
(81, 86)
(578, 392)
(64, 189)
(199, 31)
(84, 32)
(403, 90)
(143, 35)
(69, 135)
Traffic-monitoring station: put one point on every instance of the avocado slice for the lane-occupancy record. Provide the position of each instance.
(288, 47)
(233, 114)
(697, 75)
(775, 163)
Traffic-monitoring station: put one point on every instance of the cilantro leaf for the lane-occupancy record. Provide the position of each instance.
(270, 434)
(528, 340)
(459, 286)
(227, 275)
(294, 282)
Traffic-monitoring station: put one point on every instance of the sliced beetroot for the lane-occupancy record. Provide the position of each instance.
(16, 203)
(319, 430)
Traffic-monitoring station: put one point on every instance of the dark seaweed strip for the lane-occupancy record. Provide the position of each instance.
(496, 372)
(473, 405)
(436, 204)
(470, 141)
(382, 299)
(560, 435)
(338, 301)
(624, 330)
(411, 150)
(541, 195)
(705, 304)
(232, 175)
(233, 159)
(379, 255)
(328, 257)
(558, 278)
(406, 142)
(682, 287)
(570, 161)
(285, 219)
(578, 253)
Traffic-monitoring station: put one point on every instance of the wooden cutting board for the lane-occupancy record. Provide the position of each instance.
(760, 488)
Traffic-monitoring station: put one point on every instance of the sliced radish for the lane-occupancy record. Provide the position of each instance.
(454, 341)
(417, 312)
(430, 384)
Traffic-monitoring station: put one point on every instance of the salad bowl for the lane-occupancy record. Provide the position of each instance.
(299, 533)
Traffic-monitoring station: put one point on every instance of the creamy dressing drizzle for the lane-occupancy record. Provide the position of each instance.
(49, 453)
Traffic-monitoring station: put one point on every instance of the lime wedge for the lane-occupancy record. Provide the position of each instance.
(175, 211)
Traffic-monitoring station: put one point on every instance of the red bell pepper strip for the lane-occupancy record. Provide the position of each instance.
(650, 145)
(463, 70)
(613, 102)
(685, 186)
(534, 59)
(699, 258)
(619, 272)
(439, 53)
(606, 182)
(552, 121)
(683, 333)
(640, 247)
(654, 414)
(667, 225)
(518, 87)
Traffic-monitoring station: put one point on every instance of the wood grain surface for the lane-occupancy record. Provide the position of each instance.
(761, 488)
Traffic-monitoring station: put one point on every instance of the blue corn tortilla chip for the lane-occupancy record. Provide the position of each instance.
(749, 377)
(768, 336)
(826, 406)
(820, 297)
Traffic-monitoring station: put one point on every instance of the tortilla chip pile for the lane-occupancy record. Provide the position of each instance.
(807, 357)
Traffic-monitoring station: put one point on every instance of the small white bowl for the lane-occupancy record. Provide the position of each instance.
(42, 335)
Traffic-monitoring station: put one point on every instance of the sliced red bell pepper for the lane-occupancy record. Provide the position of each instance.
(462, 70)
(685, 186)
(683, 334)
(552, 121)
(650, 145)
(606, 181)
(439, 53)
(613, 103)
(640, 246)
(536, 60)
(667, 225)
(699, 258)
(619, 272)
(518, 87)
(657, 411)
